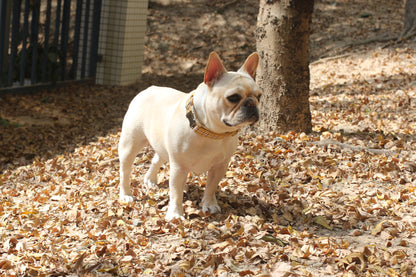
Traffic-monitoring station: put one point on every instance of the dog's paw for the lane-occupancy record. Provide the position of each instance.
(150, 182)
(171, 215)
(211, 206)
(126, 198)
(150, 185)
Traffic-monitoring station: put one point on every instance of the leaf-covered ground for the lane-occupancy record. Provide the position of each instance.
(340, 201)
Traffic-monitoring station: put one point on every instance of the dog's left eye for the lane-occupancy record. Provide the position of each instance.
(235, 98)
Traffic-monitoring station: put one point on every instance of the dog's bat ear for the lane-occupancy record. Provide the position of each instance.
(250, 65)
(214, 69)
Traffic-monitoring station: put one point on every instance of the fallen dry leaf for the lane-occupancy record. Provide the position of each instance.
(338, 201)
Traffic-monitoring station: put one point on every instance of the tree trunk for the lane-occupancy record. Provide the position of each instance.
(409, 29)
(283, 74)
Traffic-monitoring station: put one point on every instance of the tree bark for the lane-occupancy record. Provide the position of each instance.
(409, 28)
(283, 74)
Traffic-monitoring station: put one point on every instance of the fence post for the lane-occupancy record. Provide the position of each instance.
(5, 10)
(121, 45)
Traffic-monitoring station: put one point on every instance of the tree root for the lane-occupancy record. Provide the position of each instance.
(383, 38)
(327, 142)
(391, 41)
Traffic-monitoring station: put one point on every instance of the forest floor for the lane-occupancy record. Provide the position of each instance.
(339, 201)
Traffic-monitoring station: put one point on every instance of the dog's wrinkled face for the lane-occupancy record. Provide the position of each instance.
(235, 95)
(241, 101)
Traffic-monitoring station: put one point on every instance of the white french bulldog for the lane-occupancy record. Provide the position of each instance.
(195, 132)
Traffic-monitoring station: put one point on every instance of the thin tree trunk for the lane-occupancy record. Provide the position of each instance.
(409, 28)
(283, 74)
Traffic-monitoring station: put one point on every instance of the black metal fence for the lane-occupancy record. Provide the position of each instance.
(48, 41)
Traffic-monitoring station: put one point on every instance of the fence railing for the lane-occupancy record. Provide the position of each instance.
(47, 41)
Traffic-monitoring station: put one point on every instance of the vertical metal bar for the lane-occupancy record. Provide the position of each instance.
(85, 39)
(95, 34)
(57, 25)
(34, 40)
(17, 4)
(78, 17)
(3, 5)
(24, 42)
(4, 38)
(46, 42)
(64, 36)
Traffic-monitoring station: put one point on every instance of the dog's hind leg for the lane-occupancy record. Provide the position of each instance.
(128, 149)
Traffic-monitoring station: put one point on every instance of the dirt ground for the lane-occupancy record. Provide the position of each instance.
(338, 202)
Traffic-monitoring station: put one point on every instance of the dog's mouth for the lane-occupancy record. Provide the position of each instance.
(226, 123)
(246, 114)
(250, 121)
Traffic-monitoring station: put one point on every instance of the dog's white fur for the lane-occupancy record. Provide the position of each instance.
(157, 116)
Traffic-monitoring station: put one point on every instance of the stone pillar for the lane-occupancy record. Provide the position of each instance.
(121, 43)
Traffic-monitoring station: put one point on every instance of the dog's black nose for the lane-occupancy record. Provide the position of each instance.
(250, 110)
(249, 102)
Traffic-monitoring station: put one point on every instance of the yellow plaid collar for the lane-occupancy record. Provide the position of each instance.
(200, 128)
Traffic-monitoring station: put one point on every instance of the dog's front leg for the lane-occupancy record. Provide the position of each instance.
(177, 181)
(209, 201)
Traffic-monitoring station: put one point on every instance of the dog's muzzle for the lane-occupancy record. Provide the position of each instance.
(250, 110)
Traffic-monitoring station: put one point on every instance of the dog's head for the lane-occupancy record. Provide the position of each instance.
(233, 97)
